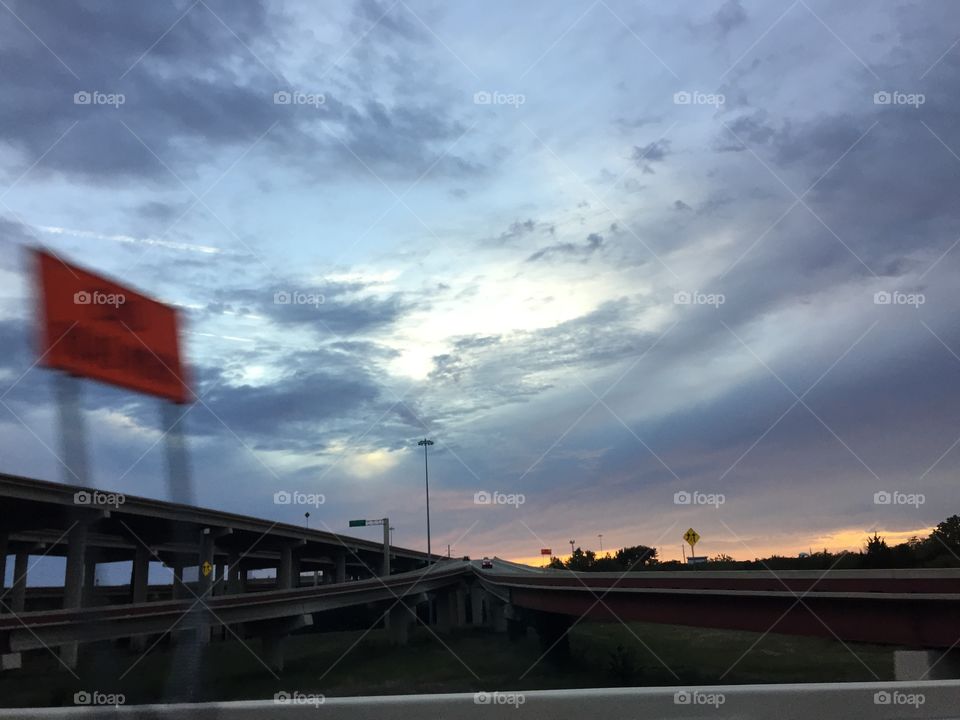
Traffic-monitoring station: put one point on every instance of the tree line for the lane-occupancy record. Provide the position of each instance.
(939, 549)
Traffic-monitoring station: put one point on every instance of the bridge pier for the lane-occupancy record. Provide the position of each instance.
(911, 665)
(451, 609)
(496, 614)
(400, 618)
(552, 629)
(477, 598)
(73, 582)
(341, 571)
(18, 593)
(285, 569)
(4, 542)
(179, 591)
(139, 584)
(234, 580)
(273, 634)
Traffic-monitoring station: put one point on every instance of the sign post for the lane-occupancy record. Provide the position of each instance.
(386, 538)
(95, 328)
(692, 537)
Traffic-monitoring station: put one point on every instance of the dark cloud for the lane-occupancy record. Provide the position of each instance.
(567, 249)
(645, 157)
(173, 115)
(731, 15)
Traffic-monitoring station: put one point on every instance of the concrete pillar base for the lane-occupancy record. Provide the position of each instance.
(273, 651)
(11, 661)
(926, 665)
(401, 618)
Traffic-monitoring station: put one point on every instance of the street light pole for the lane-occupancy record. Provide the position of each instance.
(571, 547)
(426, 479)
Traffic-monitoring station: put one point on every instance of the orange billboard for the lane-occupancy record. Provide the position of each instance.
(96, 328)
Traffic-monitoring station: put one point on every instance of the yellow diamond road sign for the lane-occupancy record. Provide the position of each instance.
(692, 537)
(206, 568)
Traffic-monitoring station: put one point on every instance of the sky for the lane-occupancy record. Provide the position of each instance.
(633, 267)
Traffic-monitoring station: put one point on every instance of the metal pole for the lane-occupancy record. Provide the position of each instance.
(601, 541)
(426, 479)
(72, 435)
(386, 546)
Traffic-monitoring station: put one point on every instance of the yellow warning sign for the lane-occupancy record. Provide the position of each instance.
(692, 537)
(206, 568)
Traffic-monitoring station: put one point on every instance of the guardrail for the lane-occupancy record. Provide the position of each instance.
(815, 701)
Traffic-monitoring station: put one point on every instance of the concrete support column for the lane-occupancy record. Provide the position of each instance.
(89, 578)
(205, 558)
(4, 539)
(477, 597)
(139, 584)
(73, 583)
(272, 645)
(451, 610)
(179, 591)
(139, 575)
(285, 569)
(18, 595)
(460, 606)
(341, 573)
(400, 618)
(497, 615)
(217, 579)
(234, 586)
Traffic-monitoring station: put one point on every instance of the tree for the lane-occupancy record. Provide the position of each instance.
(636, 557)
(948, 532)
(556, 564)
(582, 560)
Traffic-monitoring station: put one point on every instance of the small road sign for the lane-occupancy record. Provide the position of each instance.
(692, 537)
(358, 523)
(206, 568)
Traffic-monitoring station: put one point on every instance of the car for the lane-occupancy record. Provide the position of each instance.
(486, 564)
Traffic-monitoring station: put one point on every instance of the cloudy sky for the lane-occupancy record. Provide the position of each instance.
(601, 253)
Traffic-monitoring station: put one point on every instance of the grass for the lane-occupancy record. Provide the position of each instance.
(351, 663)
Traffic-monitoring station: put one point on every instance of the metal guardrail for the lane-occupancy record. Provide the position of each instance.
(815, 701)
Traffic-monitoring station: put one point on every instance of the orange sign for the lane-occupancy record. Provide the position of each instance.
(546, 551)
(96, 328)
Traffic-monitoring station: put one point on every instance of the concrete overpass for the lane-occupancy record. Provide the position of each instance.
(912, 608)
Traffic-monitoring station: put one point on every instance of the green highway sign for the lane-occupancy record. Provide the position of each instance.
(358, 523)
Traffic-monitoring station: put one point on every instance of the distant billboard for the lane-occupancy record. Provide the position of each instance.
(96, 328)
(546, 551)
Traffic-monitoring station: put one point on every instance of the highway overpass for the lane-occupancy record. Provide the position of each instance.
(917, 609)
